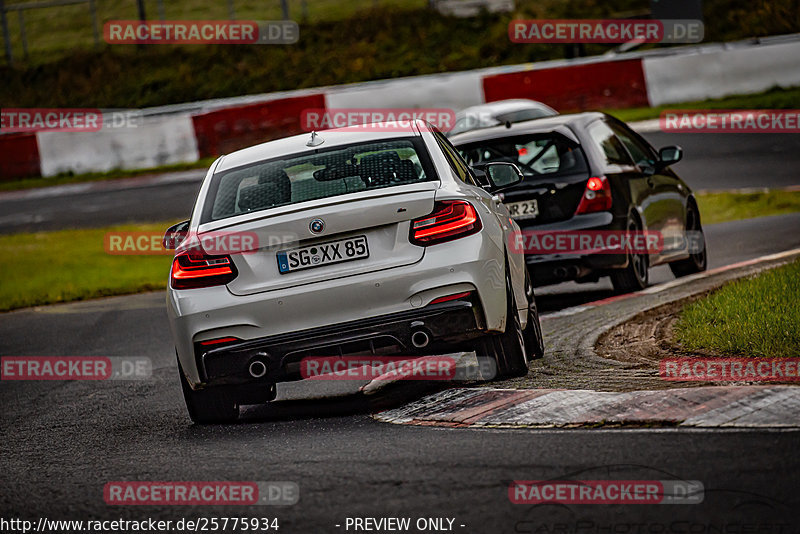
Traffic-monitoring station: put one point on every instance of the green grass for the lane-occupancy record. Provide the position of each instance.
(48, 30)
(775, 98)
(66, 265)
(341, 42)
(721, 207)
(61, 179)
(758, 316)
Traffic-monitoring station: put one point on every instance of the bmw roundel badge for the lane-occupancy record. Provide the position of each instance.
(316, 225)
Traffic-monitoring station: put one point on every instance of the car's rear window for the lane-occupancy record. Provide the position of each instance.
(315, 175)
(535, 154)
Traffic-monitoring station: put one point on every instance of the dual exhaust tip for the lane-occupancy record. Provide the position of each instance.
(258, 366)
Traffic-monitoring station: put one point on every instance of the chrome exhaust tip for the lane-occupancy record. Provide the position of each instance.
(420, 339)
(257, 368)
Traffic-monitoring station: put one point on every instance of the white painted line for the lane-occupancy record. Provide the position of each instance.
(565, 312)
(113, 184)
(647, 126)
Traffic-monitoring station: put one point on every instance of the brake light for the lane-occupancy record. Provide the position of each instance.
(448, 298)
(193, 268)
(451, 219)
(596, 196)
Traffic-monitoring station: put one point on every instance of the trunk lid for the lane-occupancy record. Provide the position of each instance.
(382, 216)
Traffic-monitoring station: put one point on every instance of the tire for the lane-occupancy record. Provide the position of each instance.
(508, 348)
(208, 406)
(695, 263)
(635, 276)
(534, 341)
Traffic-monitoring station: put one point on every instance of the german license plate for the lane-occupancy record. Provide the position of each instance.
(526, 209)
(352, 248)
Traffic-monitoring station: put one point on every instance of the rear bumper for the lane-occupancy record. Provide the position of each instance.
(447, 324)
(555, 268)
(474, 263)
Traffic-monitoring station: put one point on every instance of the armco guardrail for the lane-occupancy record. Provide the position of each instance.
(186, 132)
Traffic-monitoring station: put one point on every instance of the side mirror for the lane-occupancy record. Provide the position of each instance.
(669, 155)
(175, 235)
(501, 175)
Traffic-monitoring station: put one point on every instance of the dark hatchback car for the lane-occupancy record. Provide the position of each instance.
(590, 172)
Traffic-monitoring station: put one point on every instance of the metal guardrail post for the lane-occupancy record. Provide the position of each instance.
(6, 35)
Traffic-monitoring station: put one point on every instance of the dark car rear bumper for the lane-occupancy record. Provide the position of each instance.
(554, 268)
(447, 324)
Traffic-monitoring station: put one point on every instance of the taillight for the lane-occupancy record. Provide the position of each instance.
(193, 268)
(596, 196)
(451, 219)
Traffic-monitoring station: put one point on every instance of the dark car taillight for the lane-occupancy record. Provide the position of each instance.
(451, 219)
(596, 196)
(193, 268)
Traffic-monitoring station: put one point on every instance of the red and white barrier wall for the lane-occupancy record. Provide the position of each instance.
(218, 127)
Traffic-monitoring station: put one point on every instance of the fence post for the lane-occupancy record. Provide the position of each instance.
(93, 11)
(23, 36)
(231, 10)
(285, 9)
(6, 35)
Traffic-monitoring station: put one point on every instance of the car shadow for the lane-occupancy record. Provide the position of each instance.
(391, 396)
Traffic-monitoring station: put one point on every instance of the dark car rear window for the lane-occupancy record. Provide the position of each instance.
(315, 175)
(535, 154)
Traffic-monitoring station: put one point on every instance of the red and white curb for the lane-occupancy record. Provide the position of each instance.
(710, 406)
(713, 406)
